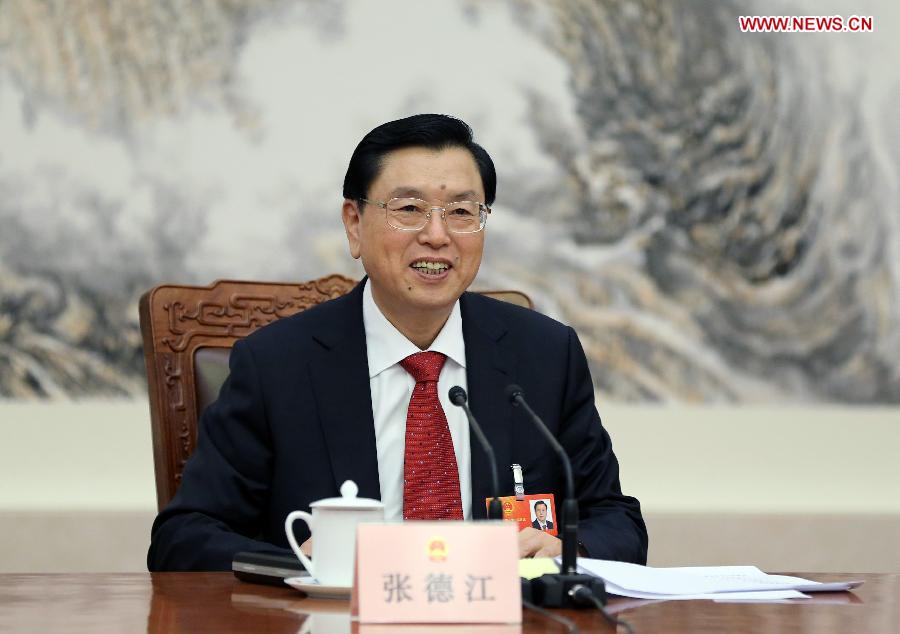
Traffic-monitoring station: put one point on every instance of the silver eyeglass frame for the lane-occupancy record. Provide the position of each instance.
(483, 210)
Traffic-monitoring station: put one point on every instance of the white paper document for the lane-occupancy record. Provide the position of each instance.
(722, 583)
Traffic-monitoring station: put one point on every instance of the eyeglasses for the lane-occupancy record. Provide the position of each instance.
(412, 214)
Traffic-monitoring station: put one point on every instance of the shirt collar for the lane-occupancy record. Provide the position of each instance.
(387, 346)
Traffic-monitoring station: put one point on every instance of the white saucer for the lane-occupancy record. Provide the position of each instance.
(313, 588)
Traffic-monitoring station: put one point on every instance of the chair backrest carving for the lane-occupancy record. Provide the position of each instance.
(188, 332)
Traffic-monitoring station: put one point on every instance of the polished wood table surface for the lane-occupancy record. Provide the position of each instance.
(217, 602)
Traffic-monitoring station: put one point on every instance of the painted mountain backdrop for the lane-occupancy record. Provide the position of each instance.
(717, 213)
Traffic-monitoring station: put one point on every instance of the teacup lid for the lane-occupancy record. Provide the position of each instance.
(348, 500)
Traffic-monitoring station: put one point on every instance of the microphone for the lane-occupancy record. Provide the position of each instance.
(556, 590)
(459, 397)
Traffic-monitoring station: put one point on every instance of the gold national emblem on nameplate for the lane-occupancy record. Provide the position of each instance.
(437, 549)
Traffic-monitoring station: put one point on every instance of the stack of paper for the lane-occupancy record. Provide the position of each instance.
(721, 583)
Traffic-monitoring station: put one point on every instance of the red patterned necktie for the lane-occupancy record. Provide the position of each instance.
(430, 475)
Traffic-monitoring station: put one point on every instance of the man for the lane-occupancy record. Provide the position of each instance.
(356, 388)
(540, 517)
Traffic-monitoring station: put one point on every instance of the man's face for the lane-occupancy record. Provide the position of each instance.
(388, 254)
(540, 512)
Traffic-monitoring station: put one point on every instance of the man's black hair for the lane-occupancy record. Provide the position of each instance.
(432, 131)
(539, 502)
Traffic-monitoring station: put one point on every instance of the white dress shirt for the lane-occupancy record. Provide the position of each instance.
(392, 387)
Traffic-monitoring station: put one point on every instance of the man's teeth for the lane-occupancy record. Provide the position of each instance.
(430, 267)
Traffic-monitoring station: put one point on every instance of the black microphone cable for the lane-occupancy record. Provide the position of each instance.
(569, 624)
(583, 595)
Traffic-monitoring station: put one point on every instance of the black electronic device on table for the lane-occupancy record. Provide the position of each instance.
(266, 568)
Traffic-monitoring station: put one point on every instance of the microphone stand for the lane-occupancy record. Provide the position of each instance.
(459, 398)
(557, 590)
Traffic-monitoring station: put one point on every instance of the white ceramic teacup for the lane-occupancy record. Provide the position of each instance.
(333, 526)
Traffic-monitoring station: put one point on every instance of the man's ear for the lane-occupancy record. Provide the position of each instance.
(352, 217)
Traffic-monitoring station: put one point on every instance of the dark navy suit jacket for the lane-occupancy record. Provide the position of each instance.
(294, 420)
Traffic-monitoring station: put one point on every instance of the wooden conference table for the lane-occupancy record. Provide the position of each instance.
(217, 602)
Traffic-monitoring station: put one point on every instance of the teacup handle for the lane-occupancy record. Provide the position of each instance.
(289, 531)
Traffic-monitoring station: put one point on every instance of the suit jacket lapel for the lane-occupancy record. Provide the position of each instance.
(490, 367)
(340, 380)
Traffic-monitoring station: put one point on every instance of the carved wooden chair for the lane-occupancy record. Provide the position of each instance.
(188, 333)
